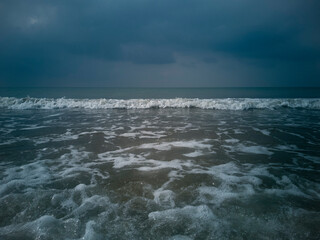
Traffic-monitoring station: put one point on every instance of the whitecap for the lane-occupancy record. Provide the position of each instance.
(221, 104)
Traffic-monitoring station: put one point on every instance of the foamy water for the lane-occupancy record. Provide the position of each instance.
(222, 104)
(170, 173)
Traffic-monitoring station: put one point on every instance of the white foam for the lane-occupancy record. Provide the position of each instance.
(154, 136)
(128, 160)
(196, 213)
(9, 142)
(54, 115)
(66, 136)
(254, 149)
(313, 159)
(149, 134)
(263, 131)
(222, 104)
(164, 197)
(32, 127)
(90, 233)
(237, 131)
(137, 128)
(229, 182)
(165, 146)
(194, 154)
(290, 147)
(129, 135)
(24, 177)
(231, 140)
(140, 162)
(174, 164)
(249, 149)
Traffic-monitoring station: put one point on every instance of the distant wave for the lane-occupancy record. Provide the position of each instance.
(222, 104)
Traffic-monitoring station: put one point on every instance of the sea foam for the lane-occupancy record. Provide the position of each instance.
(221, 104)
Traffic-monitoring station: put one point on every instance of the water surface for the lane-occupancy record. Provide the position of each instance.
(166, 172)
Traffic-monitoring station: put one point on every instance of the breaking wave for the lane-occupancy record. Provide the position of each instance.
(221, 104)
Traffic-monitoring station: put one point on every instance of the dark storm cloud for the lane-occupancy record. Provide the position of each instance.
(265, 44)
(42, 41)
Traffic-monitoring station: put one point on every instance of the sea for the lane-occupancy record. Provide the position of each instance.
(159, 163)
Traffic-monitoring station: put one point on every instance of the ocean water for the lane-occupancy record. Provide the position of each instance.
(159, 163)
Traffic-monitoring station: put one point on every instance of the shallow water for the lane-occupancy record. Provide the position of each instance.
(173, 173)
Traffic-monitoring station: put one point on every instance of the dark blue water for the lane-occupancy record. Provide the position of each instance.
(128, 93)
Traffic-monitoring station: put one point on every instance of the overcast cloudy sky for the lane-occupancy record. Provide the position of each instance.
(160, 43)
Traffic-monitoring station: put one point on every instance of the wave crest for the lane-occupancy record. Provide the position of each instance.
(220, 104)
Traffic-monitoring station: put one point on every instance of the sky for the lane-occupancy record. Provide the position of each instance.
(159, 43)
